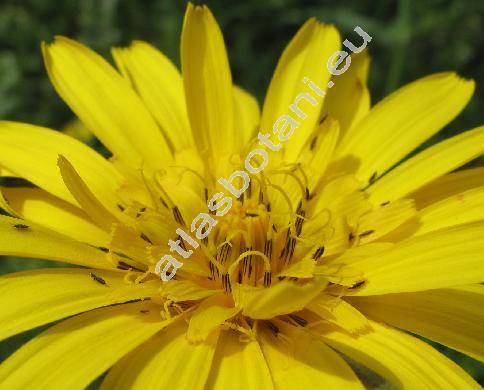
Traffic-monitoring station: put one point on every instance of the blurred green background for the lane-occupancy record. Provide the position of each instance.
(410, 39)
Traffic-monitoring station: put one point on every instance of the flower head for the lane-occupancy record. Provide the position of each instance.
(325, 252)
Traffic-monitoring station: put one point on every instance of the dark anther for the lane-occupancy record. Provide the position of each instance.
(97, 278)
(145, 238)
(358, 284)
(366, 233)
(319, 252)
(20, 226)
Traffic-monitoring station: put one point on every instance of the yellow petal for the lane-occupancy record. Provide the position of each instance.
(302, 269)
(281, 298)
(20, 152)
(465, 207)
(340, 313)
(338, 197)
(185, 290)
(247, 115)
(445, 258)
(305, 56)
(452, 316)
(80, 348)
(317, 153)
(159, 84)
(238, 365)
(84, 196)
(38, 297)
(405, 361)
(105, 103)
(32, 241)
(341, 271)
(403, 121)
(428, 165)
(210, 315)
(304, 362)
(341, 274)
(383, 220)
(349, 100)
(6, 173)
(208, 83)
(448, 185)
(38, 206)
(168, 360)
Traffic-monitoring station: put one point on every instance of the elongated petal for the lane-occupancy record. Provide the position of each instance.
(208, 83)
(38, 297)
(428, 165)
(281, 298)
(403, 121)
(84, 196)
(6, 173)
(305, 56)
(168, 360)
(20, 152)
(340, 313)
(405, 361)
(317, 153)
(383, 220)
(105, 103)
(38, 206)
(448, 185)
(80, 348)
(239, 364)
(446, 258)
(303, 269)
(159, 84)
(311, 364)
(349, 100)
(465, 207)
(247, 115)
(452, 317)
(185, 290)
(210, 315)
(32, 241)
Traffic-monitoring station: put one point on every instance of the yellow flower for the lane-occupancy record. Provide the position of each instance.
(333, 250)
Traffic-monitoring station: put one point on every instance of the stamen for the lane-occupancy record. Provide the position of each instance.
(357, 285)
(366, 233)
(97, 279)
(289, 247)
(145, 238)
(298, 320)
(373, 177)
(250, 253)
(323, 118)
(177, 215)
(267, 279)
(319, 252)
(268, 248)
(313, 143)
(273, 328)
(223, 252)
(125, 266)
